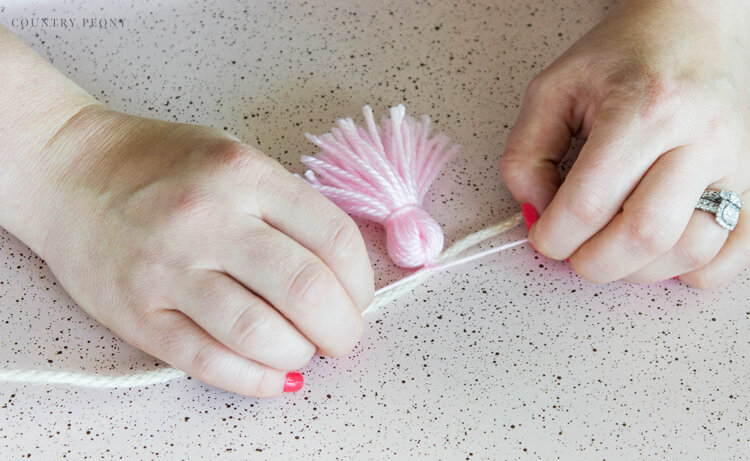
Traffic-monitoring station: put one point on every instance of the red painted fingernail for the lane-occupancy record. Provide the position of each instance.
(676, 277)
(530, 215)
(293, 381)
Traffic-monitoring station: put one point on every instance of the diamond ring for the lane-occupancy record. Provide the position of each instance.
(724, 204)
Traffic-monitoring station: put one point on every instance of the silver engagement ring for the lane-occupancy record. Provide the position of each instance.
(724, 204)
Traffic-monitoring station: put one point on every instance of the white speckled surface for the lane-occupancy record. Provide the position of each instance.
(512, 357)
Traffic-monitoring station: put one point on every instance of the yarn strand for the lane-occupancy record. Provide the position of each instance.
(78, 378)
(383, 296)
(406, 284)
(382, 174)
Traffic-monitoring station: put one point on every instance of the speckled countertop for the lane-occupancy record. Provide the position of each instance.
(509, 357)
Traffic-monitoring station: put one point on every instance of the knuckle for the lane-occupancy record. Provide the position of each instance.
(233, 155)
(660, 98)
(342, 238)
(206, 365)
(309, 288)
(143, 320)
(344, 245)
(239, 160)
(714, 276)
(588, 208)
(207, 293)
(696, 253)
(308, 284)
(264, 385)
(189, 207)
(204, 362)
(145, 317)
(508, 161)
(647, 230)
(539, 85)
(513, 166)
(251, 331)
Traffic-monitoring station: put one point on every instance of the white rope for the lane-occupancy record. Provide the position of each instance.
(76, 378)
(392, 292)
(383, 296)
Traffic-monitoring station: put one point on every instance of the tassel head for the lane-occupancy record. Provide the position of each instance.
(413, 237)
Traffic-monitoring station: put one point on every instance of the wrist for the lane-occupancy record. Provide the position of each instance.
(41, 181)
(39, 101)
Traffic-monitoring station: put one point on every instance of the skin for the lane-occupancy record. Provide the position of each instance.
(189, 244)
(659, 91)
(200, 250)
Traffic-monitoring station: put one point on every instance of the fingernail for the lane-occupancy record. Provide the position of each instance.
(293, 381)
(530, 214)
(676, 277)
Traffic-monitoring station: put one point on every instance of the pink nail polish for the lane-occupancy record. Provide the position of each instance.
(293, 381)
(530, 214)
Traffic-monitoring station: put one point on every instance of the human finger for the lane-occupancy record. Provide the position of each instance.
(731, 260)
(652, 219)
(296, 283)
(538, 141)
(698, 245)
(305, 215)
(616, 155)
(173, 337)
(242, 321)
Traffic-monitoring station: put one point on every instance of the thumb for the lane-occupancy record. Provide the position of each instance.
(538, 142)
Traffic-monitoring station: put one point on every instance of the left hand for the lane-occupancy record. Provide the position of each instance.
(661, 92)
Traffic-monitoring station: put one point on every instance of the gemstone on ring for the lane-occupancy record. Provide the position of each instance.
(729, 214)
(725, 205)
(733, 198)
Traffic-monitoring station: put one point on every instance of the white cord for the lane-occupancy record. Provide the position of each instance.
(383, 296)
(76, 378)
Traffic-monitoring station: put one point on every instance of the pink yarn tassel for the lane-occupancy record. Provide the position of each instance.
(382, 174)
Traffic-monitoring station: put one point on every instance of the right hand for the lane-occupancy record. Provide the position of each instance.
(199, 249)
(659, 90)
